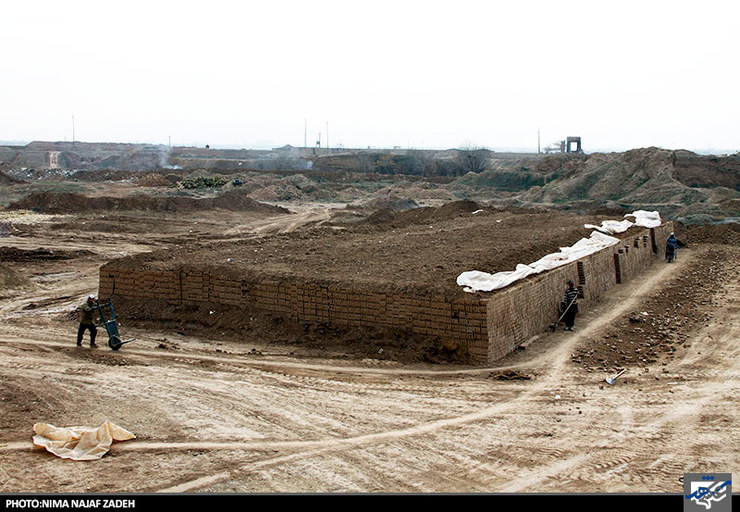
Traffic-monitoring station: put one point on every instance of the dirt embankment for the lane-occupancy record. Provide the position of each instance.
(678, 184)
(7, 179)
(681, 185)
(67, 202)
(707, 171)
(11, 279)
(389, 217)
(727, 234)
(666, 320)
(15, 254)
(423, 250)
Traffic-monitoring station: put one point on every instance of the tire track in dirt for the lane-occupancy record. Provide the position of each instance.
(643, 429)
(275, 377)
(201, 388)
(284, 223)
(19, 336)
(557, 360)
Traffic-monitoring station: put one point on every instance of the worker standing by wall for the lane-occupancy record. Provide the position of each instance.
(87, 312)
(570, 303)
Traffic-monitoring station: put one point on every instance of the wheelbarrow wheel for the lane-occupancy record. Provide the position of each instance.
(114, 343)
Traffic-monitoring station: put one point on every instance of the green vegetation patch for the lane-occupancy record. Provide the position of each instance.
(203, 182)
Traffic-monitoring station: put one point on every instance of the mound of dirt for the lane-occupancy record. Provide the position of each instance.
(154, 180)
(7, 229)
(707, 171)
(10, 279)
(67, 202)
(728, 234)
(7, 179)
(391, 203)
(509, 375)
(421, 191)
(646, 178)
(389, 218)
(291, 188)
(644, 337)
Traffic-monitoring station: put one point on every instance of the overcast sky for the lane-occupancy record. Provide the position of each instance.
(421, 74)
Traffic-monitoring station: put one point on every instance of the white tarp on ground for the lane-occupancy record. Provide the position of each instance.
(79, 443)
(477, 281)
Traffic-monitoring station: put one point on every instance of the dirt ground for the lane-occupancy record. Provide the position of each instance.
(269, 415)
(423, 249)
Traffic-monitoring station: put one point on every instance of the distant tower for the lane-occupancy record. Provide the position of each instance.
(538, 140)
(574, 140)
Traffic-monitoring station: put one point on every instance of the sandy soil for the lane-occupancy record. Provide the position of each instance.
(215, 415)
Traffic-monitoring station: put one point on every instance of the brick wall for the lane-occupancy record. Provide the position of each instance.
(485, 326)
(457, 323)
(522, 311)
(519, 312)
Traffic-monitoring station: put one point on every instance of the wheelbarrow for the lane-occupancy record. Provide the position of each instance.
(108, 318)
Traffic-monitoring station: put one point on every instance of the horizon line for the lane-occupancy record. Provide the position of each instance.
(196, 145)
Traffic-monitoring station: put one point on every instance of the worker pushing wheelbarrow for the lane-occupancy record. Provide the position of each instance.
(108, 317)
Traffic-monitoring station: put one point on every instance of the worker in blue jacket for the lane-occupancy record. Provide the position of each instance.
(671, 248)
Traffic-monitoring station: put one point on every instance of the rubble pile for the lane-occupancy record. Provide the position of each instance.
(654, 334)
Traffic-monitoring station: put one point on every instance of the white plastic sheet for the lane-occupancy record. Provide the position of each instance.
(474, 280)
(646, 219)
(79, 443)
(639, 218)
(611, 227)
(477, 281)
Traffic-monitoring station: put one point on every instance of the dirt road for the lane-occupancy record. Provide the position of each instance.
(211, 415)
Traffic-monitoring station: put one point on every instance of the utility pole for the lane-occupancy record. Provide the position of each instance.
(73, 130)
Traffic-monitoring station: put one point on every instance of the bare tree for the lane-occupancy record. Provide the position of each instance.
(471, 158)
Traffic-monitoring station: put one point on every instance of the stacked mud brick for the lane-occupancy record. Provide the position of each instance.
(519, 312)
(484, 326)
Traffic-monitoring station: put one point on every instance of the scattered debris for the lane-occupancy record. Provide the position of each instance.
(510, 375)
